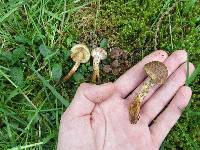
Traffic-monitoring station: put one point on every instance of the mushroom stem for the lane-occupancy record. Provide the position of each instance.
(157, 74)
(72, 71)
(147, 85)
(134, 106)
(134, 109)
(78, 57)
(95, 76)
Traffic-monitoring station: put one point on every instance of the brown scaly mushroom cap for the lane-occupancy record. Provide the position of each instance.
(99, 53)
(80, 51)
(157, 71)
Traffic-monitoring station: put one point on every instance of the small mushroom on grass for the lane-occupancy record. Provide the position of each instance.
(98, 54)
(80, 54)
(157, 74)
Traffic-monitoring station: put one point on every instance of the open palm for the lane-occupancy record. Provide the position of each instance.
(98, 119)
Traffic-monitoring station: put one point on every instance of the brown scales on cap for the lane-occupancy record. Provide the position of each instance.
(157, 74)
(157, 71)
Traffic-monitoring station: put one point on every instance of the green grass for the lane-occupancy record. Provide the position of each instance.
(35, 39)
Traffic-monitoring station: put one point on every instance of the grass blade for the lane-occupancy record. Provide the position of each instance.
(7, 15)
(26, 146)
(51, 88)
(194, 75)
(25, 96)
(188, 70)
(45, 140)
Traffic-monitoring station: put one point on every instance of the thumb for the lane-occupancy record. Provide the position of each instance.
(86, 97)
(96, 93)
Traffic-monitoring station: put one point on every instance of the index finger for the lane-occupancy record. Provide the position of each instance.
(134, 76)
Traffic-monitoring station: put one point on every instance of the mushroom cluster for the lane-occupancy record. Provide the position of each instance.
(157, 74)
(81, 54)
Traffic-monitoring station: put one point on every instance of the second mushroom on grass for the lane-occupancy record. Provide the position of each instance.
(98, 54)
(157, 74)
(79, 54)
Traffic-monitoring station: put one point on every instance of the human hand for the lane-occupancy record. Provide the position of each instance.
(98, 119)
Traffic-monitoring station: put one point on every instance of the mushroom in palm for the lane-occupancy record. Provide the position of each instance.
(79, 54)
(98, 54)
(157, 74)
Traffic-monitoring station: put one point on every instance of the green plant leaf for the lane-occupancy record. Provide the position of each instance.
(6, 56)
(69, 40)
(17, 76)
(44, 50)
(22, 39)
(104, 43)
(78, 77)
(18, 53)
(56, 72)
(66, 54)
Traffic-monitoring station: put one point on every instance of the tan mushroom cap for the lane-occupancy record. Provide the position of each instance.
(157, 71)
(80, 51)
(100, 53)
